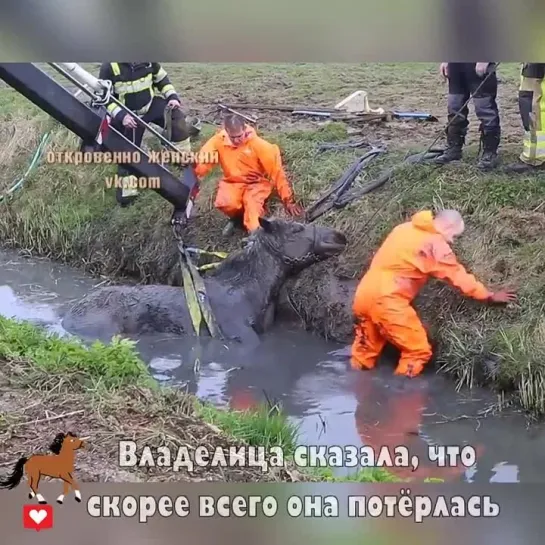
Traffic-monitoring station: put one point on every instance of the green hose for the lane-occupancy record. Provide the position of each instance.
(33, 164)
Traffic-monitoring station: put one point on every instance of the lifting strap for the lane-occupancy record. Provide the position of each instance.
(194, 287)
(191, 296)
(196, 297)
(208, 266)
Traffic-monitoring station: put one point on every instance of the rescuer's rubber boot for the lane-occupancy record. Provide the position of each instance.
(455, 144)
(489, 158)
(233, 225)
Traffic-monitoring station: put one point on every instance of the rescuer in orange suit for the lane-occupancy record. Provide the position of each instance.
(399, 422)
(252, 169)
(413, 252)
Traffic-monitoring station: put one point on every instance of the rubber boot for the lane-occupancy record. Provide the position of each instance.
(409, 371)
(489, 158)
(128, 193)
(232, 225)
(455, 144)
(523, 168)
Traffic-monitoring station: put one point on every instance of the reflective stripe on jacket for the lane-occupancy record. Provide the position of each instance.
(136, 84)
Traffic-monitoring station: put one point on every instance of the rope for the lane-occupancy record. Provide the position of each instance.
(33, 164)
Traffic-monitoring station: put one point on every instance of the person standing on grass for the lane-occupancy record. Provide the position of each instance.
(464, 80)
(531, 100)
(145, 89)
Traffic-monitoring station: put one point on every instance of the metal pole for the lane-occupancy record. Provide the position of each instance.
(81, 78)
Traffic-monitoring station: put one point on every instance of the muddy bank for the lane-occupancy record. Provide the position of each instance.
(67, 213)
(30, 419)
(105, 393)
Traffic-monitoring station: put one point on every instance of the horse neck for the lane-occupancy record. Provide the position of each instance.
(67, 453)
(255, 271)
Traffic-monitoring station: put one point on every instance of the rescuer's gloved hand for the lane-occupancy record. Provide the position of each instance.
(129, 122)
(481, 68)
(174, 104)
(294, 209)
(503, 296)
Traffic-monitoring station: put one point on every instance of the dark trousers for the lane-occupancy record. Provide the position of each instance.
(155, 115)
(463, 81)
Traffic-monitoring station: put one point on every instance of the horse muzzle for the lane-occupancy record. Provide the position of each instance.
(331, 243)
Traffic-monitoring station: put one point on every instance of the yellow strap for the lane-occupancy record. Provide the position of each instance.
(221, 255)
(191, 296)
(199, 288)
(208, 266)
(115, 68)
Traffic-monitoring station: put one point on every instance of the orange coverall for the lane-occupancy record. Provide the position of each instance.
(412, 253)
(250, 173)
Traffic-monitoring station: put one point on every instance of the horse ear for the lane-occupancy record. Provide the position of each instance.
(266, 225)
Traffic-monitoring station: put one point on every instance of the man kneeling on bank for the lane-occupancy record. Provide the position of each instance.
(252, 169)
(412, 253)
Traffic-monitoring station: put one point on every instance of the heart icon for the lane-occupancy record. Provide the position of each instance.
(37, 516)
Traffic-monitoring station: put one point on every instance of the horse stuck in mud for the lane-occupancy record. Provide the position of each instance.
(243, 290)
(59, 465)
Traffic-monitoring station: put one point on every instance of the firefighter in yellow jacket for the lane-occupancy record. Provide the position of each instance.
(145, 89)
(532, 112)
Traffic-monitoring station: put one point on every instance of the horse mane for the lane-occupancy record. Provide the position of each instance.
(56, 445)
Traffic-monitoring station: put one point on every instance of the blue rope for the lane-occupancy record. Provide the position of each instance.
(33, 164)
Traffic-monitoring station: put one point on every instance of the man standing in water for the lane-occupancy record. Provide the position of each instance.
(411, 253)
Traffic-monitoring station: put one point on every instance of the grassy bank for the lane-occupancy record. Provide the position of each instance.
(106, 393)
(67, 213)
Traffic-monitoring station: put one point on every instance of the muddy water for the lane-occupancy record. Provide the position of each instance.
(332, 404)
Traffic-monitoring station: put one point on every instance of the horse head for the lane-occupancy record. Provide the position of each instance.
(299, 245)
(64, 441)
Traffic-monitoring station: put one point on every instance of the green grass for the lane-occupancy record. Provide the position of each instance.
(68, 214)
(365, 475)
(111, 365)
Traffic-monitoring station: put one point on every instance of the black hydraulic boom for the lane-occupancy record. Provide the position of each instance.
(61, 104)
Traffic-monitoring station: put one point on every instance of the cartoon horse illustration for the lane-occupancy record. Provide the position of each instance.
(59, 465)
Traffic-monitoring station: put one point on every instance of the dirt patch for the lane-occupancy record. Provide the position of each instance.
(403, 87)
(35, 406)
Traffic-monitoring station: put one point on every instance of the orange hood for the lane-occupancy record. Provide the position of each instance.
(424, 221)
